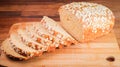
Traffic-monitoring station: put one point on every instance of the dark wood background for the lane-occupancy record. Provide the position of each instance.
(14, 11)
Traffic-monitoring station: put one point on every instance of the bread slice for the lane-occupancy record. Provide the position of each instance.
(41, 31)
(18, 45)
(9, 51)
(86, 21)
(43, 38)
(30, 28)
(50, 39)
(56, 30)
(29, 41)
(30, 38)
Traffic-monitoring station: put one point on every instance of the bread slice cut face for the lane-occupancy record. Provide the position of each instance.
(56, 30)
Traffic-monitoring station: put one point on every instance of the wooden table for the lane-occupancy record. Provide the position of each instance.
(23, 11)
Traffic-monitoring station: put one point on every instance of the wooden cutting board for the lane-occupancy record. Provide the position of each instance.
(102, 52)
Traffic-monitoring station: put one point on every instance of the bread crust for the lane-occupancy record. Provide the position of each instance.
(15, 58)
(9, 51)
(96, 20)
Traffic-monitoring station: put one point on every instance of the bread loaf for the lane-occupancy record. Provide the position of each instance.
(86, 21)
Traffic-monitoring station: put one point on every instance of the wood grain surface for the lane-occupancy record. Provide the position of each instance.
(102, 52)
(14, 11)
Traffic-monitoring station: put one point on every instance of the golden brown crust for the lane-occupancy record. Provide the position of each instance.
(97, 20)
(14, 27)
(15, 58)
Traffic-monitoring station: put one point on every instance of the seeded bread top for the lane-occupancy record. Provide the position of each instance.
(91, 14)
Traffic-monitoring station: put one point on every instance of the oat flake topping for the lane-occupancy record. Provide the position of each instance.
(93, 15)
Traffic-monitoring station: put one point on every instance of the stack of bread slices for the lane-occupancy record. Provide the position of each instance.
(29, 40)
